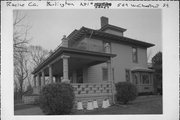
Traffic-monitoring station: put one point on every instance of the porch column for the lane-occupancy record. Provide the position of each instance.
(107, 50)
(50, 74)
(110, 79)
(43, 78)
(109, 70)
(34, 79)
(65, 69)
(37, 80)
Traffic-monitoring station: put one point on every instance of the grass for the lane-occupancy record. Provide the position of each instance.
(142, 105)
(153, 106)
(23, 106)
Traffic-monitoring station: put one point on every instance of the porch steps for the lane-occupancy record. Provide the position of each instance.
(86, 100)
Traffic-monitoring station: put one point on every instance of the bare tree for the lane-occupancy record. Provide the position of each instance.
(21, 40)
(21, 70)
(37, 54)
(20, 33)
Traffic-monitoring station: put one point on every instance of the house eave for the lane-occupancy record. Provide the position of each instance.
(113, 38)
(139, 69)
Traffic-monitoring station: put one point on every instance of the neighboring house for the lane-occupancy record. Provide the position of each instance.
(93, 60)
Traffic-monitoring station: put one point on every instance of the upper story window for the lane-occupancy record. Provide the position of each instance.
(134, 55)
(107, 47)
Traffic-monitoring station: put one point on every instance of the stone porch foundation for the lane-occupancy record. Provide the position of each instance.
(84, 92)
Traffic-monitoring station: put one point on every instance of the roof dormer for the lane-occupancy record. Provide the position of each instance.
(106, 27)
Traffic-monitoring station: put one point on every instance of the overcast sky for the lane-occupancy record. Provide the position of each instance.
(49, 26)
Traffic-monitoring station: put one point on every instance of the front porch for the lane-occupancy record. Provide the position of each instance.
(70, 65)
(85, 92)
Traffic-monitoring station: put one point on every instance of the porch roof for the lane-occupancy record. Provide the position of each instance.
(89, 57)
(141, 69)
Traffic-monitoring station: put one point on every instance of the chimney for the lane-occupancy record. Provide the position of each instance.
(104, 21)
(64, 41)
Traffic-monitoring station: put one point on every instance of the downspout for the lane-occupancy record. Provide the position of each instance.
(113, 85)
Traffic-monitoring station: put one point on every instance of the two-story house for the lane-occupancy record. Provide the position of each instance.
(94, 60)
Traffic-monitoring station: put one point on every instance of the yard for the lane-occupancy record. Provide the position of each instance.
(142, 105)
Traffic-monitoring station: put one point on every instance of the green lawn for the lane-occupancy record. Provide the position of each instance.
(142, 105)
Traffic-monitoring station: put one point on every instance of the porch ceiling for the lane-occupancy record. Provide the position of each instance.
(78, 59)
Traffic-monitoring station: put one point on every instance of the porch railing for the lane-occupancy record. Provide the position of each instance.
(92, 89)
(85, 92)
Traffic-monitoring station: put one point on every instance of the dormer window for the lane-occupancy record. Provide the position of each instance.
(134, 55)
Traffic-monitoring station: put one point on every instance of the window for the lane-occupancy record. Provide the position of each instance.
(135, 78)
(105, 74)
(145, 78)
(107, 46)
(134, 55)
(127, 75)
(113, 73)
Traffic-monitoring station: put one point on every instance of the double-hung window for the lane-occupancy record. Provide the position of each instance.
(105, 74)
(134, 55)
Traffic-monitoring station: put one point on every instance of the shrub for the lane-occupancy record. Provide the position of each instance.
(57, 99)
(125, 92)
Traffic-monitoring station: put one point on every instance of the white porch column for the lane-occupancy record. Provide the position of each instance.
(110, 79)
(34, 79)
(43, 78)
(37, 80)
(65, 69)
(107, 50)
(50, 74)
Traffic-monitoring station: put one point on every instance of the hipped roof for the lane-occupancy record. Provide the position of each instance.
(84, 31)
